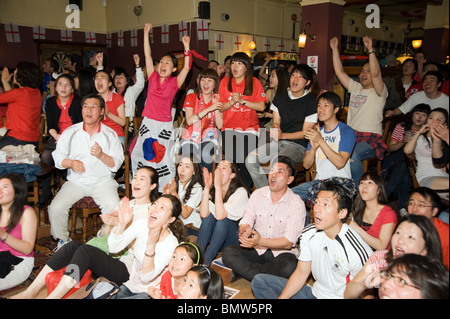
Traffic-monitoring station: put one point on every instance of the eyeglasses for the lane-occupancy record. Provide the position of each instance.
(411, 204)
(399, 282)
(95, 107)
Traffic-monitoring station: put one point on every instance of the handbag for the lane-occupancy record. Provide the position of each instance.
(53, 278)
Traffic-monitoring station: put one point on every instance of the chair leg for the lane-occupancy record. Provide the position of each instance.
(73, 217)
(85, 218)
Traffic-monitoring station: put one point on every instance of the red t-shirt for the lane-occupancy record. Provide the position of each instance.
(166, 287)
(113, 104)
(442, 229)
(239, 116)
(23, 114)
(193, 102)
(386, 216)
(158, 105)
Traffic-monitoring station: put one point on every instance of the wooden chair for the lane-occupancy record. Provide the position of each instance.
(86, 208)
(43, 132)
(34, 190)
(374, 161)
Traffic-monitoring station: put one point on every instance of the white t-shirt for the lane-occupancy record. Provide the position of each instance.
(425, 167)
(421, 97)
(235, 205)
(341, 138)
(193, 202)
(138, 281)
(365, 108)
(334, 262)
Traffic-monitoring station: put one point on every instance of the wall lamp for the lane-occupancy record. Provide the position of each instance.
(416, 43)
(303, 35)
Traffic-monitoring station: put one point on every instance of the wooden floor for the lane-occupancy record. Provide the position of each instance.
(243, 285)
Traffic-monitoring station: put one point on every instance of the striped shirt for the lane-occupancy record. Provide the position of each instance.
(285, 218)
(334, 262)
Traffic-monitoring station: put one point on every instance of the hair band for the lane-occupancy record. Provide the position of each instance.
(206, 268)
(196, 248)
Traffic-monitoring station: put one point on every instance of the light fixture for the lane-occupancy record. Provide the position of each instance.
(252, 45)
(405, 55)
(302, 37)
(416, 43)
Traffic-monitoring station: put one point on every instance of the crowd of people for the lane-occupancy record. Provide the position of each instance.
(212, 184)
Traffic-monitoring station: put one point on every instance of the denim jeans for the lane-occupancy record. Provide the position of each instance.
(361, 151)
(270, 287)
(125, 293)
(215, 234)
(267, 153)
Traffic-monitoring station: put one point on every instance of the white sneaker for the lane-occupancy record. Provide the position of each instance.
(60, 244)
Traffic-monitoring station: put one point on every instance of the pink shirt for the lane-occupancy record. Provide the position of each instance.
(17, 233)
(285, 218)
(158, 105)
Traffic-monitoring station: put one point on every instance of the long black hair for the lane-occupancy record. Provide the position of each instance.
(359, 205)
(243, 58)
(235, 183)
(20, 199)
(211, 284)
(154, 179)
(196, 178)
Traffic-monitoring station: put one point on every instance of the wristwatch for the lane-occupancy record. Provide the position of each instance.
(245, 102)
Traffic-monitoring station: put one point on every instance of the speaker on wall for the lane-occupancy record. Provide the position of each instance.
(79, 3)
(204, 10)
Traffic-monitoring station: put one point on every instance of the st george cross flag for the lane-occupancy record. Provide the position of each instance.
(151, 36)
(219, 41)
(267, 44)
(134, 38)
(12, 32)
(120, 38)
(90, 37)
(109, 40)
(165, 33)
(66, 35)
(294, 47)
(202, 29)
(237, 42)
(281, 45)
(38, 32)
(182, 29)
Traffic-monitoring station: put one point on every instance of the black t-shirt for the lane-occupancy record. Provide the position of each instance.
(293, 112)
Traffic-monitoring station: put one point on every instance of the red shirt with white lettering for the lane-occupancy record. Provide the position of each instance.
(241, 117)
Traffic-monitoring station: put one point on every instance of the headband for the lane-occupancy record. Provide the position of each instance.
(207, 269)
(196, 248)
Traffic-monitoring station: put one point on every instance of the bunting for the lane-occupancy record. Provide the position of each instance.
(165, 33)
(12, 32)
(38, 32)
(134, 38)
(66, 35)
(202, 29)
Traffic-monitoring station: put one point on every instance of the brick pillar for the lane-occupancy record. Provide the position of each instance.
(325, 17)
